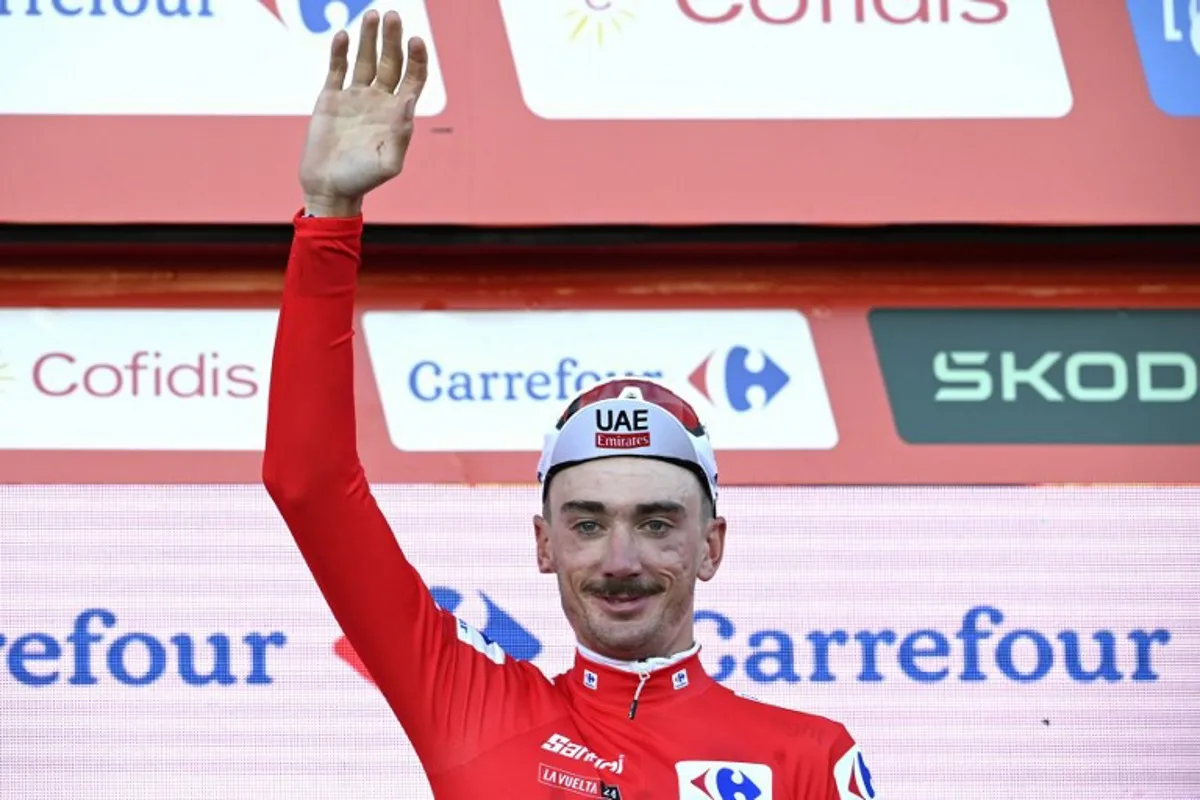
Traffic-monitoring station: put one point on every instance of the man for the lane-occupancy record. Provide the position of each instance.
(628, 526)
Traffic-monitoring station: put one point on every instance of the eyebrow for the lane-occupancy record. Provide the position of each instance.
(583, 507)
(641, 510)
(660, 507)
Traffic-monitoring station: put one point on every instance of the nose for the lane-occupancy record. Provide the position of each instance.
(620, 556)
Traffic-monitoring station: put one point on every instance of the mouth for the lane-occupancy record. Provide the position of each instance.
(623, 605)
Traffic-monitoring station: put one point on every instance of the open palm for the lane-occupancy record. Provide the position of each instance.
(359, 134)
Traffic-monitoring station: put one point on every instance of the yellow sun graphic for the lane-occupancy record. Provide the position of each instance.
(598, 19)
(5, 377)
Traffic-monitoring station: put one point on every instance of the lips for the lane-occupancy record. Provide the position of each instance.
(623, 605)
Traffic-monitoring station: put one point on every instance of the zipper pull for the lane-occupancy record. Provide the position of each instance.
(643, 677)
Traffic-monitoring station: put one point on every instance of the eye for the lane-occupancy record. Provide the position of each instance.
(658, 526)
(586, 527)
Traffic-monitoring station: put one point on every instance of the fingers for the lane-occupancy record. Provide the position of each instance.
(336, 78)
(391, 60)
(365, 64)
(418, 69)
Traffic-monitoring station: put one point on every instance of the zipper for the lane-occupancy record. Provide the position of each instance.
(642, 678)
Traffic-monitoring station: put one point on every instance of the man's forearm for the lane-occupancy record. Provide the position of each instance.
(311, 430)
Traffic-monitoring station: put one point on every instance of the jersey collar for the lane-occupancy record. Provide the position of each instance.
(635, 686)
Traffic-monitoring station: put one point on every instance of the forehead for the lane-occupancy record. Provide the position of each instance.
(622, 482)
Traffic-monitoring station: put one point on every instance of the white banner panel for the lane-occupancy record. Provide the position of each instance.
(185, 57)
(985, 643)
(497, 380)
(134, 379)
(788, 59)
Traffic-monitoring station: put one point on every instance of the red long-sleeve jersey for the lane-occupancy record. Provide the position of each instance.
(484, 725)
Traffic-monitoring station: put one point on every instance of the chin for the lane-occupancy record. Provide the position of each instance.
(629, 639)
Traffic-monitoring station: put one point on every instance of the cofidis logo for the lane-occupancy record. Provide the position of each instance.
(134, 379)
(788, 59)
(280, 44)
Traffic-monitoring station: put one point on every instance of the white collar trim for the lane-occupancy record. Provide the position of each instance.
(639, 667)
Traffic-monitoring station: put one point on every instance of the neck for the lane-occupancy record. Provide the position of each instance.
(621, 685)
(648, 663)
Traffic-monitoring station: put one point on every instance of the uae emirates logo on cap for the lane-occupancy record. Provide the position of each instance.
(622, 429)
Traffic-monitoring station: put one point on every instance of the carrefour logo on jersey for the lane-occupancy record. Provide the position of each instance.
(496, 381)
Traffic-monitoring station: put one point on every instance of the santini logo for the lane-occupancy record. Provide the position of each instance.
(557, 743)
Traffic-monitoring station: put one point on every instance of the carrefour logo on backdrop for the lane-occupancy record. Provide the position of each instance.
(496, 381)
(724, 378)
(733, 380)
(983, 644)
(47, 43)
(107, 648)
(494, 629)
(315, 13)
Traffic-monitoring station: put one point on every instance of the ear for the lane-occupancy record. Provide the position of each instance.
(541, 534)
(713, 550)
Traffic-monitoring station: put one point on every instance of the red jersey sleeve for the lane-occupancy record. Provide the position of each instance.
(443, 682)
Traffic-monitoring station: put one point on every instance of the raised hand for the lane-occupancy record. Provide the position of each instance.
(359, 134)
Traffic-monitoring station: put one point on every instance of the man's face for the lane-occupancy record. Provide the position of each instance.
(627, 538)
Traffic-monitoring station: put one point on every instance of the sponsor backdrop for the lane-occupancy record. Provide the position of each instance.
(996, 643)
(598, 111)
(832, 393)
(160, 636)
(1041, 376)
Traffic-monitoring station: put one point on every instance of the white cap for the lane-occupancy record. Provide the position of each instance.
(630, 417)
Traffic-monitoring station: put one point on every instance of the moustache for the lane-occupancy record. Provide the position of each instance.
(624, 587)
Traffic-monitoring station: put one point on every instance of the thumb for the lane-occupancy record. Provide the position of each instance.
(395, 147)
